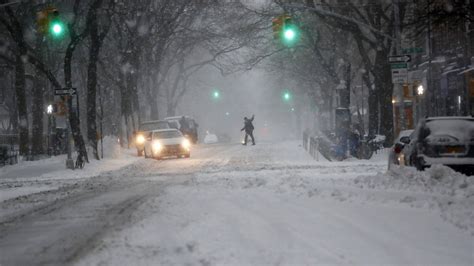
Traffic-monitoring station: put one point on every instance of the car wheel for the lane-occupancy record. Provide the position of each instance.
(187, 155)
(146, 154)
(139, 153)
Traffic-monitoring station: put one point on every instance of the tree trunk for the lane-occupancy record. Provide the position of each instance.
(373, 111)
(94, 51)
(74, 121)
(91, 99)
(384, 87)
(154, 110)
(170, 109)
(38, 111)
(38, 106)
(21, 104)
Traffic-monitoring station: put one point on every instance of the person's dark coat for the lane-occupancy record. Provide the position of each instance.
(248, 126)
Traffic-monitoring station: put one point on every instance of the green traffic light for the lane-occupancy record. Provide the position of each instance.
(290, 34)
(216, 94)
(286, 96)
(57, 29)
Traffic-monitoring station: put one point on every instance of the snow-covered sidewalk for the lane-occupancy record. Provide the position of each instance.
(29, 177)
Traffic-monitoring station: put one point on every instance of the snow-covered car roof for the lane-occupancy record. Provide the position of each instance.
(165, 130)
(450, 118)
(178, 117)
(459, 127)
(153, 125)
(154, 121)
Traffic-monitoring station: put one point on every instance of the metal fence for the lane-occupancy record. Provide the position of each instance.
(11, 140)
(51, 144)
(311, 144)
(320, 145)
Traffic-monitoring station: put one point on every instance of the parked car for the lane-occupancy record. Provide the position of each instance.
(394, 156)
(191, 132)
(145, 128)
(165, 143)
(442, 140)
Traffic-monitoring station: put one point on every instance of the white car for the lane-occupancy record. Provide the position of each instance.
(145, 129)
(165, 143)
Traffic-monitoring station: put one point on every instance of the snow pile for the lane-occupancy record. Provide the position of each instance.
(451, 191)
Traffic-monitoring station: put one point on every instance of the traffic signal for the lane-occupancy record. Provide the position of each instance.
(56, 26)
(286, 96)
(216, 94)
(49, 21)
(277, 25)
(285, 30)
(290, 31)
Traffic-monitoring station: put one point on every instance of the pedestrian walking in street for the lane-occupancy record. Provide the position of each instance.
(248, 127)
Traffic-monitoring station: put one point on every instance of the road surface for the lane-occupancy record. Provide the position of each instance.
(230, 204)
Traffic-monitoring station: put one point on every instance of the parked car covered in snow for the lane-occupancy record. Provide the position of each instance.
(395, 154)
(442, 140)
(144, 129)
(166, 143)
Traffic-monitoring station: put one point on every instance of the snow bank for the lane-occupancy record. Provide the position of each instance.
(28, 177)
(451, 191)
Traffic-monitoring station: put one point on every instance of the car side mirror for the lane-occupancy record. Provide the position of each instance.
(405, 140)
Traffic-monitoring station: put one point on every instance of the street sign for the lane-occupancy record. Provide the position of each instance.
(412, 50)
(398, 65)
(399, 75)
(65, 91)
(399, 58)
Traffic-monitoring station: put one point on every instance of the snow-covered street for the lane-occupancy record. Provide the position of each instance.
(268, 204)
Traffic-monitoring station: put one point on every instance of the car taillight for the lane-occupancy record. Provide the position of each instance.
(397, 149)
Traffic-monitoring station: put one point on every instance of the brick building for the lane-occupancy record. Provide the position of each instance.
(443, 62)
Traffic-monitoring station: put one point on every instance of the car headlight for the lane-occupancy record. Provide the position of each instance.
(140, 139)
(157, 146)
(186, 144)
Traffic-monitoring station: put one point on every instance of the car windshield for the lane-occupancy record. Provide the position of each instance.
(461, 129)
(154, 125)
(167, 134)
